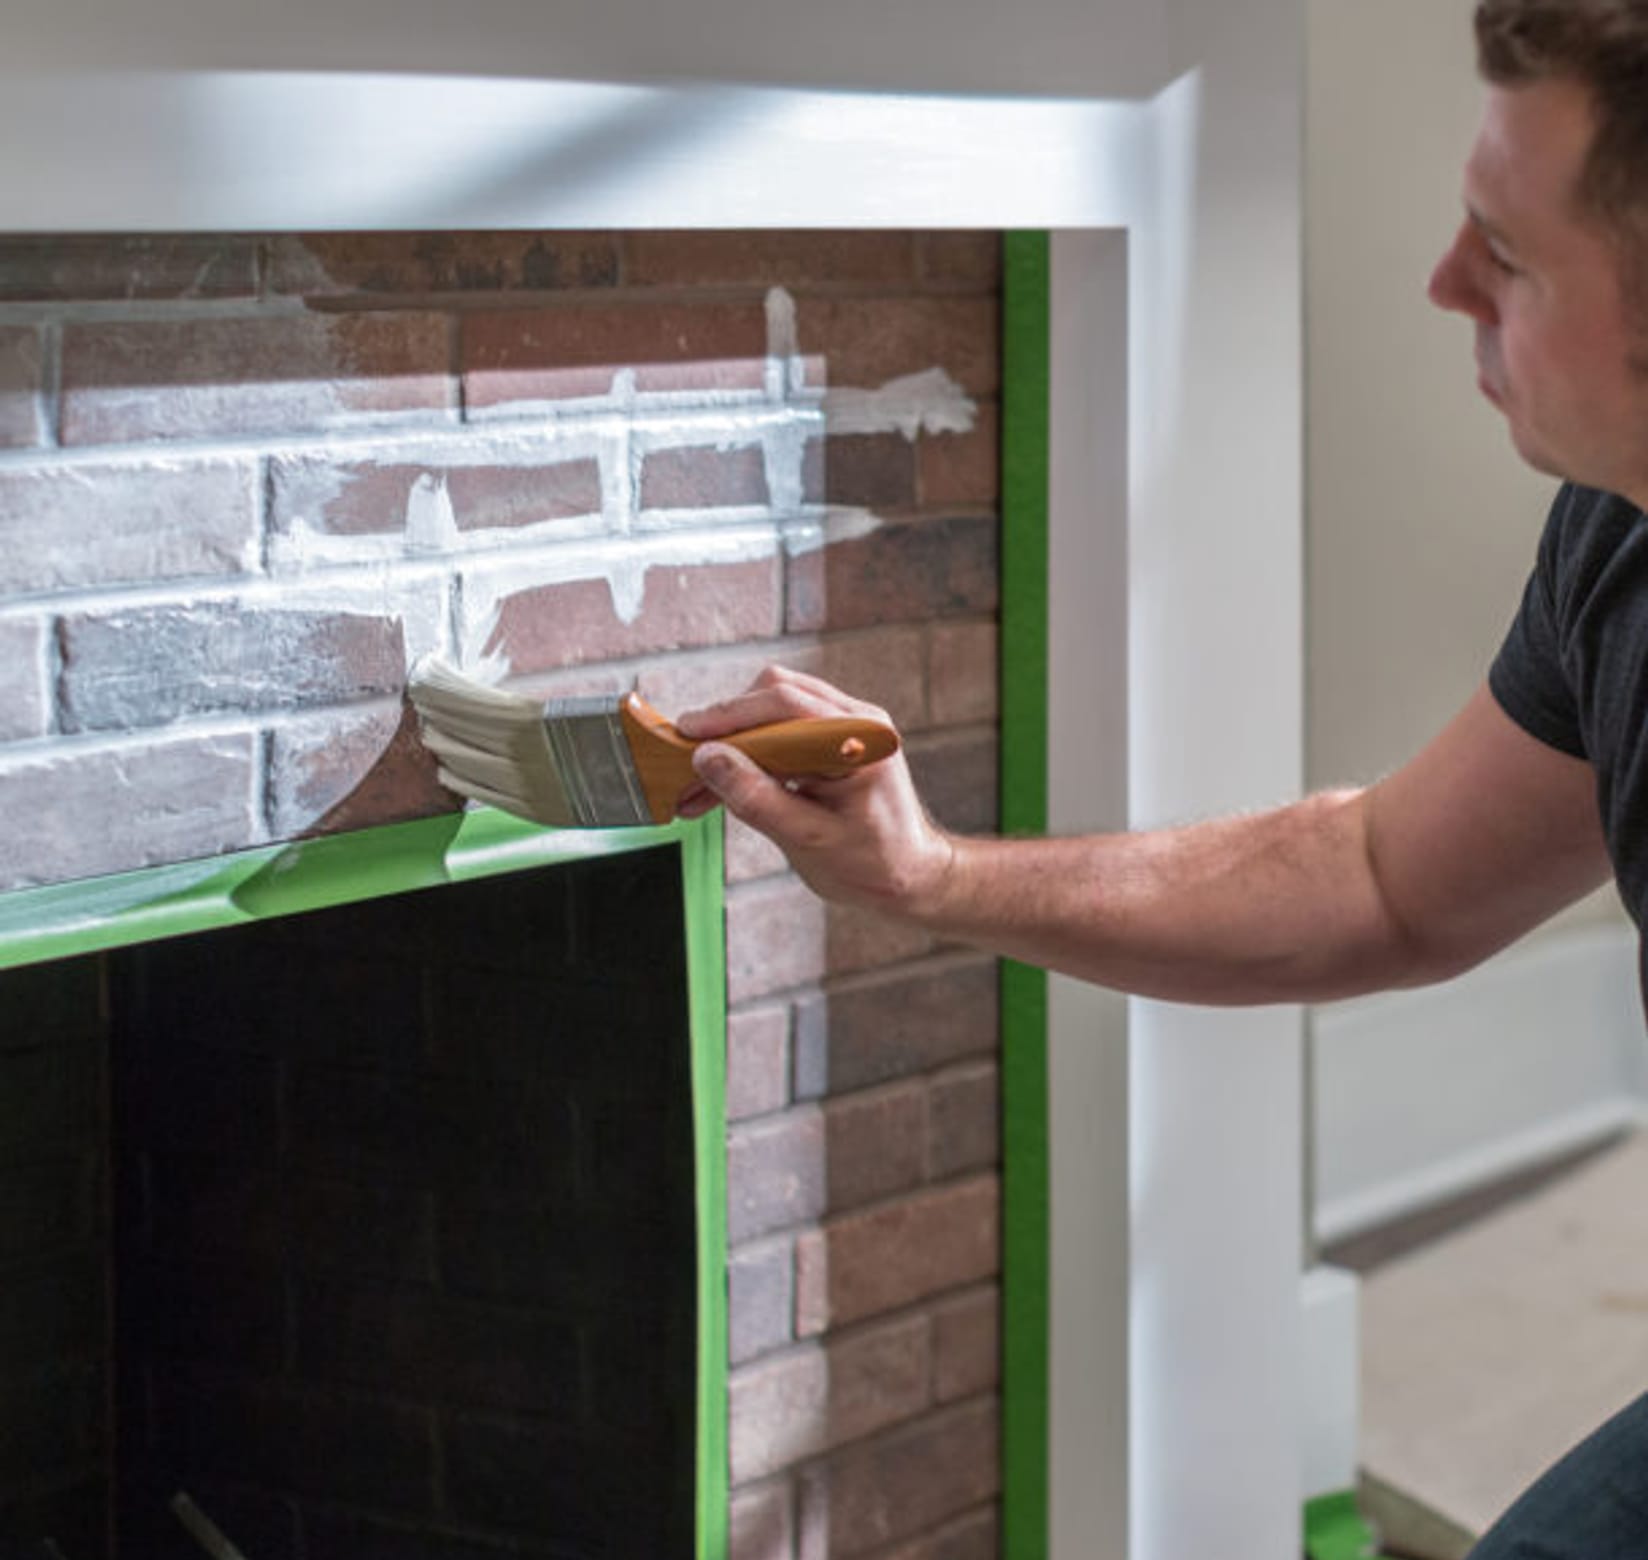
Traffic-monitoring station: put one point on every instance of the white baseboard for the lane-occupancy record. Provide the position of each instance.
(1419, 1096)
(1328, 1329)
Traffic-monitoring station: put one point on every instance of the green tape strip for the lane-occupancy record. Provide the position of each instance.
(1025, 368)
(702, 881)
(1335, 1529)
(69, 919)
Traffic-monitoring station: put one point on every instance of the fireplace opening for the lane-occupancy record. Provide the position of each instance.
(370, 1231)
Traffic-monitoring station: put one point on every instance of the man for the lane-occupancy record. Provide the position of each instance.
(1523, 803)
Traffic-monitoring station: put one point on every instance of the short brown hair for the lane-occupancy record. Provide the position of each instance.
(1603, 45)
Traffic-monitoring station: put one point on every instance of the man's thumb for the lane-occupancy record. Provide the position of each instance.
(723, 769)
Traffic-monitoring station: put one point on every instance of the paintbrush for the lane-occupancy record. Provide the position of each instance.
(603, 762)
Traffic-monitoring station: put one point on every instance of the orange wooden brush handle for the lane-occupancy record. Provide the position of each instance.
(830, 746)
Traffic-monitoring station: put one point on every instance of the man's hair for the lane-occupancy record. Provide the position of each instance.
(1602, 45)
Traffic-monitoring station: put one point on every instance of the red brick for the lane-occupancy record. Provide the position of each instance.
(875, 1144)
(862, 470)
(704, 477)
(963, 673)
(71, 526)
(866, 342)
(966, 1345)
(23, 704)
(92, 813)
(894, 1023)
(21, 422)
(260, 374)
(797, 1404)
(866, 1263)
(561, 354)
(70, 267)
(900, 572)
(690, 681)
(351, 772)
(878, 1376)
(547, 627)
(883, 667)
(751, 258)
(966, 1120)
(861, 940)
(758, 1061)
(760, 1299)
(958, 775)
(961, 469)
(775, 1174)
(329, 265)
(961, 259)
(366, 497)
(150, 665)
(975, 1536)
(901, 1484)
(775, 938)
(762, 1522)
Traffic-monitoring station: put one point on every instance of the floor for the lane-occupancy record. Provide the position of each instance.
(1497, 1330)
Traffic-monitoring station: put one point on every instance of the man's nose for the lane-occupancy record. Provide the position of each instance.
(1453, 283)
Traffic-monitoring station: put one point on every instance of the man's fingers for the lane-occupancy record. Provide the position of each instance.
(756, 707)
(778, 694)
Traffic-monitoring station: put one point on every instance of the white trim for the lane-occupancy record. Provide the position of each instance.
(1205, 179)
(1087, 1063)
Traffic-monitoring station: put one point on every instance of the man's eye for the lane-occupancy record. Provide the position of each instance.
(1501, 263)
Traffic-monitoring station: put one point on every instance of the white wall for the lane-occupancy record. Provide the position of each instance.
(1421, 520)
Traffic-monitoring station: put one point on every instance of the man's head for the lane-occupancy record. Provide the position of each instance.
(1551, 261)
(1602, 46)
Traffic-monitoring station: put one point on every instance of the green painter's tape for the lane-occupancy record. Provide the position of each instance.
(65, 919)
(702, 879)
(69, 919)
(1024, 457)
(1335, 1529)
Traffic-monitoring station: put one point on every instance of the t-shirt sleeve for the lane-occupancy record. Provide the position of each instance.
(1527, 677)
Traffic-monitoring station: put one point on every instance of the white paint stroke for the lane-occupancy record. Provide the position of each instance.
(927, 402)
(622, 564)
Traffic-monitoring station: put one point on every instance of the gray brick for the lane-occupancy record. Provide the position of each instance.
(148, 666)
(169, 802)
(74, 526)
(21, 422)
(760, 1299)
(23, 709)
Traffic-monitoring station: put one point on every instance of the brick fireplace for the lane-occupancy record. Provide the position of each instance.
(243, 480)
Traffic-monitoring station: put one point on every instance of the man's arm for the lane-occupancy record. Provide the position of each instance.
(1483, 835)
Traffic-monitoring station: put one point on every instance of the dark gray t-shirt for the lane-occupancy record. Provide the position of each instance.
(1573, 670)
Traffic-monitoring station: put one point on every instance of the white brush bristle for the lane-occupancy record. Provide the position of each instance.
(491, 743)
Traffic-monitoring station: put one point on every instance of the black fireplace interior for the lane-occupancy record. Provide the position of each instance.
(368, 1232)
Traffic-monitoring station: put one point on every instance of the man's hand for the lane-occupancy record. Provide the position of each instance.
(864, 839)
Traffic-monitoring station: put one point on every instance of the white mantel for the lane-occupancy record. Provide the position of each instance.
(1177, 1179)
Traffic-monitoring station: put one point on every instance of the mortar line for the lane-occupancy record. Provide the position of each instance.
(262, 799)
(51, 384)
(523, 441)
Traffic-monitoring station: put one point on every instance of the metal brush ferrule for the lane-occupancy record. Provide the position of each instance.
(591, 751)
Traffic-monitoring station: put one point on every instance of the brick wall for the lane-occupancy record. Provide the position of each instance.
(244, 481)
